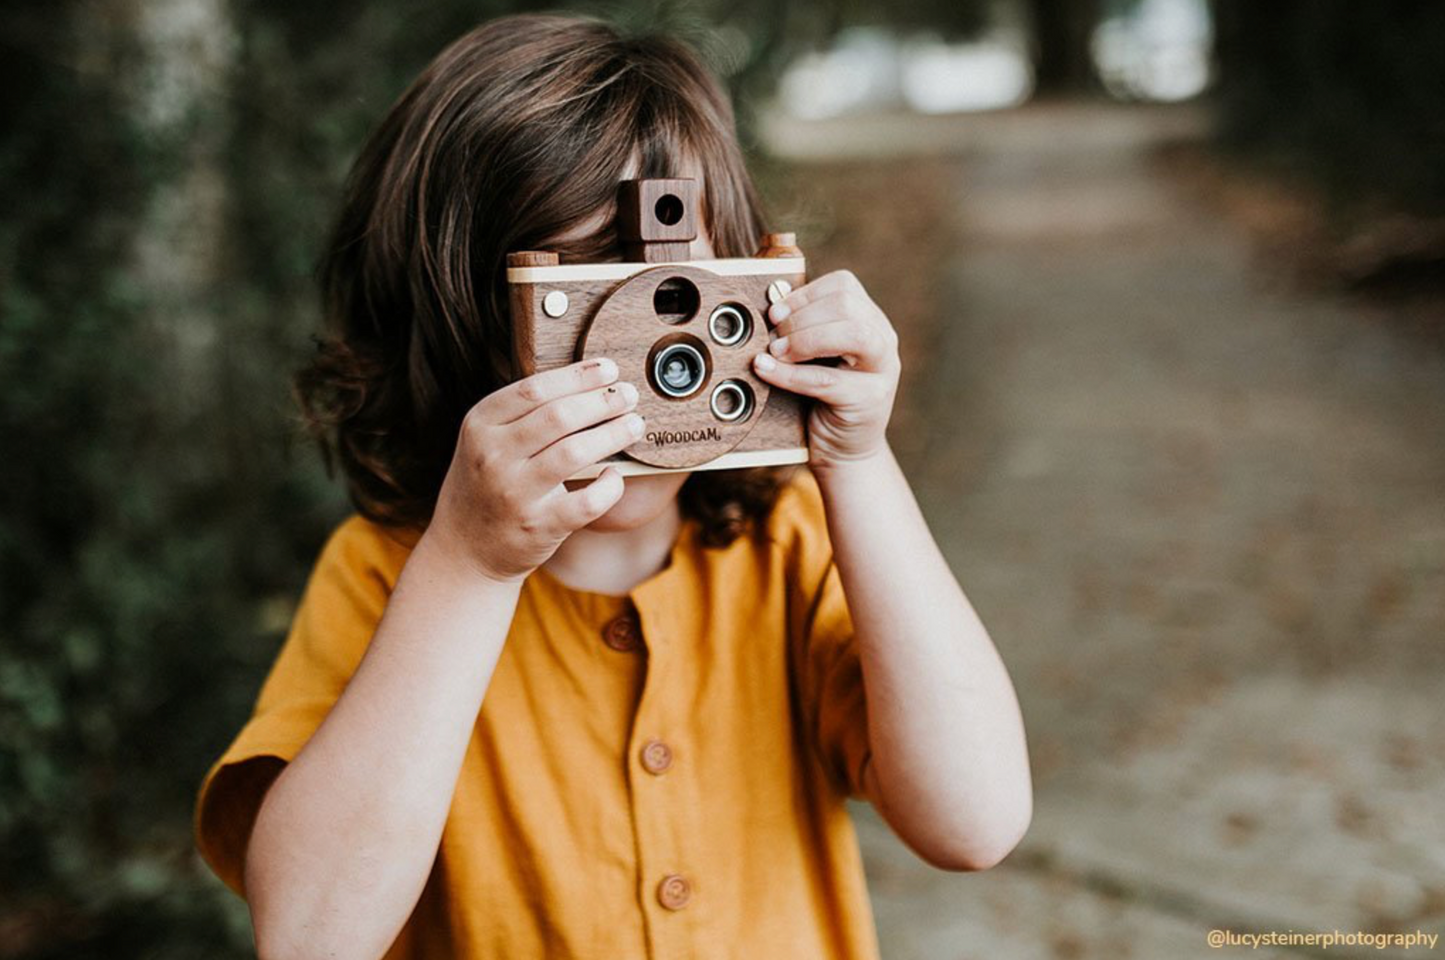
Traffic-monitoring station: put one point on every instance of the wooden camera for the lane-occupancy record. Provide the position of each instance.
(684, 331)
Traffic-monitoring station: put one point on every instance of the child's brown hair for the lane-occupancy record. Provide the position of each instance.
(515, 133)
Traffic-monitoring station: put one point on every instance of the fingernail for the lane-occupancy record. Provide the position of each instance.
(779, 312)
(764, 362)
(779, 346)
(634, 424)
(608, 368)
(629, 393)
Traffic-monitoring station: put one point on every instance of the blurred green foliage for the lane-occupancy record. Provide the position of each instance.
(157, 520)
(152, 515)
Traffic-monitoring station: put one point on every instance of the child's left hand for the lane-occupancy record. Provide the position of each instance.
(833, 316)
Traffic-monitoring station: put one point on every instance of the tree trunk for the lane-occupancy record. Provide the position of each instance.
(1062, 31)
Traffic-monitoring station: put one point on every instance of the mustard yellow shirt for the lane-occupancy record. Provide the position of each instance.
(661, 774)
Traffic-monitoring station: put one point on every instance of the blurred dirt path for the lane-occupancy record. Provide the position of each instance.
(1203, 515)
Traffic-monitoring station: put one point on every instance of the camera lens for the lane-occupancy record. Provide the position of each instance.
(731, 400)
(728, 325)
(678, 370)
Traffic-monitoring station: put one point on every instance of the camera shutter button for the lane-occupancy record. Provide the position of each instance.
(554, 304)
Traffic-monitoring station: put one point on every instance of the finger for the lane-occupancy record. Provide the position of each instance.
(577, 508)
(833, 282)
(825, 309)
(520, 398)
(859, 344)
(828, 384)
(557, 418)
(566, 456)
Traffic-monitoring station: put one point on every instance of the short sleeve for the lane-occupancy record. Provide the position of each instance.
(338, 614)
(829, 674)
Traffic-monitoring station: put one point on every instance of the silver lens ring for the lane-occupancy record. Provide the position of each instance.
(733, 392)
(679, 370)
(728, 326)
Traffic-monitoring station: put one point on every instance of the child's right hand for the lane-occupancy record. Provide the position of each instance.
(503, 506)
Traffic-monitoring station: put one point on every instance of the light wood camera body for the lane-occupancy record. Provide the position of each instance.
(565, 313)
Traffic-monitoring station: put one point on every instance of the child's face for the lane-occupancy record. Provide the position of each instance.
(644, 498)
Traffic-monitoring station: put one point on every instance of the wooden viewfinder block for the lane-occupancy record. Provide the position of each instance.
(657, 211)
(657, 219)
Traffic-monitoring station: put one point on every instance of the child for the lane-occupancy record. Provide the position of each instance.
(521, 717)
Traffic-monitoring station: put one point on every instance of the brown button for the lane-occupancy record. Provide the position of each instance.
(656, 757)
(622, 633)
(674, 891)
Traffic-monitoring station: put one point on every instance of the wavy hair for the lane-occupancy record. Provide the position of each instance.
(516, 132)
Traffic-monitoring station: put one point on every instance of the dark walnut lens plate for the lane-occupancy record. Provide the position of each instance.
(657, 308)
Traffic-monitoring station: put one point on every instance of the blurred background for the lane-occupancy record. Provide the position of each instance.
(1170, 280)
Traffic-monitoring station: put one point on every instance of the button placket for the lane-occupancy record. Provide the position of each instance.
(658, 798)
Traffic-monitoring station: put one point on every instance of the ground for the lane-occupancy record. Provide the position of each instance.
(1200, 506)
